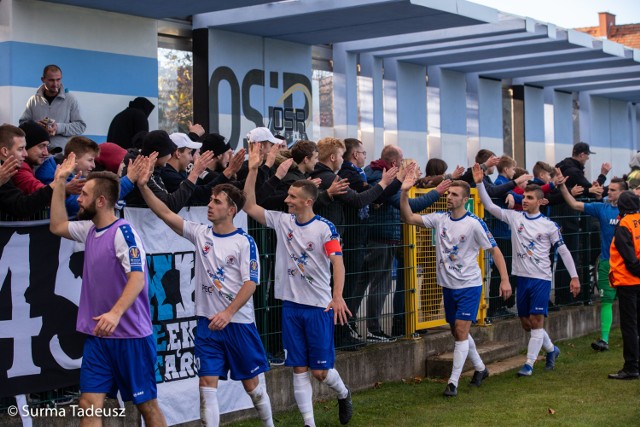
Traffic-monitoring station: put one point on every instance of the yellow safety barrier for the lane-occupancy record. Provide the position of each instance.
(424, 295)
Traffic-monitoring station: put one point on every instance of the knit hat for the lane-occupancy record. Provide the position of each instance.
(158, 140)
(628, 203)
(35, 134)
(110, 157)
(216, 143)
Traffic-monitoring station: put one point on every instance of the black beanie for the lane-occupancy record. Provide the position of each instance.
(35, 134)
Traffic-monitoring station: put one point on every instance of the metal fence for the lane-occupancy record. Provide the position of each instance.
(391, 285)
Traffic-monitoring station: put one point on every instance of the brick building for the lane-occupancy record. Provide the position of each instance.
(627, 34)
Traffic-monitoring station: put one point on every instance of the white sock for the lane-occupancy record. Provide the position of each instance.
(460, 352)
(474, 356)
(334, 381)
(303, 394)
(546, 342)
(535, 344)
(262, 403)
(209, 409)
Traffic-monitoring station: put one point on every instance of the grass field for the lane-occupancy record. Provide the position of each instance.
(576, 393)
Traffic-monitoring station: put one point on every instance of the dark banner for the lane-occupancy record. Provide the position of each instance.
(40, 278)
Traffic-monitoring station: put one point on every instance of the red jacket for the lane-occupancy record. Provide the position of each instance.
(25, 179)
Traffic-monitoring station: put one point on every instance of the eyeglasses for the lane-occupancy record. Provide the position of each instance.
(362, 152)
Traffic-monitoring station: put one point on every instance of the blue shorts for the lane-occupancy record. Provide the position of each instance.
(461, 304)
(127, 365)
(236, 348)
(532, 296)
(307, 336)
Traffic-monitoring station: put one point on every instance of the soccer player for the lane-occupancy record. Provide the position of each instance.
(308, 246)
(459, 235)
(120, 352)
(227, 273)
(607, 215)
(533, 235)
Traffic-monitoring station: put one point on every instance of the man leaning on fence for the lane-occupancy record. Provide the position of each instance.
(459, 235)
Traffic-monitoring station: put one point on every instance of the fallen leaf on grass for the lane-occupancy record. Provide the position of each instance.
(412, 380)
(377, 385)
(551, 411)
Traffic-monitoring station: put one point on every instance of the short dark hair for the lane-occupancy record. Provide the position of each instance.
(81, 145)
(7, 133)
(350, 145)
(107, 184)
(308, 187)
(435, 167)
(234, 195)
(483, 155)
(50, 67)
(534, 188)
(518, 172)
(540, 167)
(303, 149)
(466, 188)
(621, 182)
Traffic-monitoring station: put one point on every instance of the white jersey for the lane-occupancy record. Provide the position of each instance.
(458, 242)
(303, 270)
(531, 241)
(223, 263)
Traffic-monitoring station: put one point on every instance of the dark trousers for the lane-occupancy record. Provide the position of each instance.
(629, 297)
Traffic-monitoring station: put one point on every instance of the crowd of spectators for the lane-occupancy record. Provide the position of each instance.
(360, 196)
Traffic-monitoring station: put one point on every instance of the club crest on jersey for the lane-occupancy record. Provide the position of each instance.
(310, 246)
(539, 237)
(290, 235)
(207, 247)
(230, 260)
(462, 238)
(443, 234)
(520, 228)
(253, 266)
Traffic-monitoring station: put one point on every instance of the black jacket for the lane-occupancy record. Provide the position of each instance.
(334, 212)
(15, 203)
(130, 121)
(175, 200)
(574, 171)
(201, 193)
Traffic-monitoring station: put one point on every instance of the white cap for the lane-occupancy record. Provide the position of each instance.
(262, 134)
(182, 140)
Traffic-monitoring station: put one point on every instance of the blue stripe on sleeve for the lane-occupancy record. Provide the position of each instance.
(254, 265)
(135, 258)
